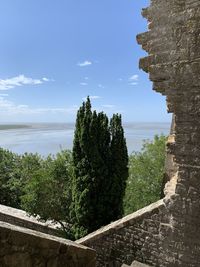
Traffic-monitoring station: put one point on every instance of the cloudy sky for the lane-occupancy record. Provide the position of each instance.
(55, 53)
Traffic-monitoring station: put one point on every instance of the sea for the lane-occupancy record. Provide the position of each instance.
(50, 138)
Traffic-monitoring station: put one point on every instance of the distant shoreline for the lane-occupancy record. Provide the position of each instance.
(4, 127)
(53, 126)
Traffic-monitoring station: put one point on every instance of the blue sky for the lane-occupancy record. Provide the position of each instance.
(55, 53)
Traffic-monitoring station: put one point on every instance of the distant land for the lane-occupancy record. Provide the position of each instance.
(13, 126)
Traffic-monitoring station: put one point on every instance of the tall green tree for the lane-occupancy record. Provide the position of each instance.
(102, 169)
(99, 180)
(82, 208)
(118, 166)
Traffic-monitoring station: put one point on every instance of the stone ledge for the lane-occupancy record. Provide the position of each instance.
(121, 223)
(24, 247)
(21, 218)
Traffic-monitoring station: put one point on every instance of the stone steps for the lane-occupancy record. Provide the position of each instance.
(135, 264)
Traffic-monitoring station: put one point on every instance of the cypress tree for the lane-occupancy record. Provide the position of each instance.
(118, 167)
(100, 170)
(103, 208)
(81, 184)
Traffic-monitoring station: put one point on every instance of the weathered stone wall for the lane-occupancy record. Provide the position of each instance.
(173, 45)
(20, 247)
(135, 236)
(170, 237)
(21, 218)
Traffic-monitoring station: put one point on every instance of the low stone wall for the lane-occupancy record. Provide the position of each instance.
(20, 247)
(134, 237)
(21, 218)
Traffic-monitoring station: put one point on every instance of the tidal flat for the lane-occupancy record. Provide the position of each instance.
(50, 138)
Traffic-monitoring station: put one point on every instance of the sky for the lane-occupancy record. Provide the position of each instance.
(55, 53)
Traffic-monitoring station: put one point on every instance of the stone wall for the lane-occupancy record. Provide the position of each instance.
(173, 62)
(135, 236)
(20, 247)
(21, 218)
(167, 235)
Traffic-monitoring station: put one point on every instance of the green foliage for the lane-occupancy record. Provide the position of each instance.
(146, 170)
(48, 192)
(81, 207)
(118, 166)
(102, 172)
(98, 181)
(25, 167)
(15, 172)
(38, 185)
(9, 165)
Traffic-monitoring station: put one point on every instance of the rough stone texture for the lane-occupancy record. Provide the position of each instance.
(171, 167)
(135, 236)
(168, 236)
(21, 218)
(20, 247)
(135, 264)
(138, 264)
(173, 62)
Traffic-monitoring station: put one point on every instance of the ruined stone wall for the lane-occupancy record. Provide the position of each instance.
(20, 247)
(173, 62)
(134, 237)
(171, 237)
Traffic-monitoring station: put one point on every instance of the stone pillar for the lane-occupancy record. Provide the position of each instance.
(173, 63)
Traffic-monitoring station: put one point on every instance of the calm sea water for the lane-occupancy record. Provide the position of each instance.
(52, 137)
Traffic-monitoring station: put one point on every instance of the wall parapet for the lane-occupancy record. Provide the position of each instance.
(134, 237)
(24, 247)
(21, 218)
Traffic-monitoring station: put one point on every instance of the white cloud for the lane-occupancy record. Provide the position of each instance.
(86, 78)
(108, 106)
(10, 108)
(45, 79)
(95, 97)
(134, 83)
(92, 97)
(100, 86)
(120, 79)
(134, 77)
(84, 84)
(84, 63)
(19, 80)
(4, 95)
